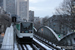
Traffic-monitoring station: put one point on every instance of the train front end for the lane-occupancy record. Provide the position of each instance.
(24, 32)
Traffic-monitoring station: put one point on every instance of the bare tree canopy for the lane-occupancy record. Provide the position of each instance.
(67, 7)
(64, 8)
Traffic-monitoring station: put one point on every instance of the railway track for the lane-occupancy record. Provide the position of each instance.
(36, 45)
(49, 44)
(40, 45)
(25, 47)
(28, 47)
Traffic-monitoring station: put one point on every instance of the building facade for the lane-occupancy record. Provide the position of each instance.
(9, 6)
(23, 9)
(36, 22)
(36, 19)
(1, 10)
(31, 16)
(60, 24)
(1, 3)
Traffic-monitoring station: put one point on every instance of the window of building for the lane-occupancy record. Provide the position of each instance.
(64, 31)
(74, 39)
(74, 30)
(54, 25)
(0, 26)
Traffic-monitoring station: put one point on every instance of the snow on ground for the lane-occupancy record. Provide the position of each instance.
(16, 48)
(24, 47)
(29, 47)
(47, 48)
(8, 39)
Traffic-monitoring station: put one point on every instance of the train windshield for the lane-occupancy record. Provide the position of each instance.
(26, 27)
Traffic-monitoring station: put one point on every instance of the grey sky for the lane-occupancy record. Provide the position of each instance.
(43, 8)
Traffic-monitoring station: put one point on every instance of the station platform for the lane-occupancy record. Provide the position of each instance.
(8, 41)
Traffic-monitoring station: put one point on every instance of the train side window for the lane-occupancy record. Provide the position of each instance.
(18, 26)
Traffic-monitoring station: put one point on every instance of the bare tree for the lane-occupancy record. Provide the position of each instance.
(5, 22)
(44, 20)
(64, 8)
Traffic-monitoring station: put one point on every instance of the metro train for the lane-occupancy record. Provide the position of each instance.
(24, 32)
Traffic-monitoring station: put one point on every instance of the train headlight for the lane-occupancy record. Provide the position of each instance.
(30, 31)
(22, 31)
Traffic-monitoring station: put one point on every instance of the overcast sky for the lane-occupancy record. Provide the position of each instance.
(43, 8)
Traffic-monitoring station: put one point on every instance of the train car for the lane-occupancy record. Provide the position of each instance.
(24, 32)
